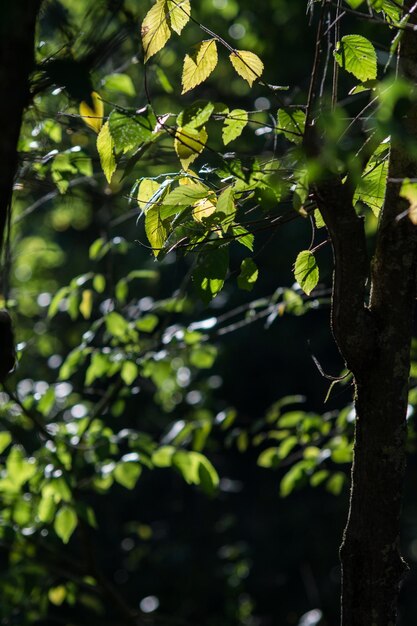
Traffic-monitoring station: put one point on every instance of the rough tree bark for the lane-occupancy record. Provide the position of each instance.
(17, 37)
(373, 333)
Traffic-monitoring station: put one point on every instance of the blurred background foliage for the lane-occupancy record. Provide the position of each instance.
(140, 426)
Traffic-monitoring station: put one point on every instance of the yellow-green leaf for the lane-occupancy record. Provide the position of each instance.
(189, 143)
(357, 55)
(409, 192)
(179, 14)
(147, 189)
(86, 305)
(204, 208)
(306, 271)
(93, 117)
(247, 64)
(197, 68)
(105, 147)
(57, 595)
(65, 523)
(234, 123)
(156, 231)
(155, 30)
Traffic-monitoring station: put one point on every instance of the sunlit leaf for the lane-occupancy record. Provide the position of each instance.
(57, 595)
(204, 208)
(155, 30)
(357, 55)
(409, 192)
(93, 117)
(86, 305)
(127, 474)
(65, 523)
(130, 131)
(203, 356)
(306, 271)
(291, 124)
(247, 64)
(373, 183)
(121, 83)
(147, 189)
(189, 143)
(5, 440)
(233, 125)
(105, 148)
(156, 231)
(129, 372)
(179, 14)
(197, 68)
(226, 205)
(196, 115)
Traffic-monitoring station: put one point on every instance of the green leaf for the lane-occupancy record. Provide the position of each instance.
(243, 236)
(357, 55)
(99, 283)
(196, 115)
(127, 474)
(247, 64)
(116, 325)
(301, 191)
(409, 192)
(19, 469)
(354, 4)
(122, 83)
(46, 509)
(5, 440)
(210, 273)
(248, 275)
(129, 372)
(99, 366)
(197, 68)
(291, 124)
(392, 8)
(203, 356)
(56, 301)
(196, 469)
(335, 483)
(233, 125)
(163, 456)
(65, 523)
(105, 148)
(183, 196)
(226, 205)
(372, 186)
(130, 131)
(269, 458)
(294, 477)
(318, 219)
(148, 323)
(306, 271)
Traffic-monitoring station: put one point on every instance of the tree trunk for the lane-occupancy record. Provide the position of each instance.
(17, 36)
(375, 342)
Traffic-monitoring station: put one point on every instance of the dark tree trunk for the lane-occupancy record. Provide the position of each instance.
(374, 337)
(17, 36)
